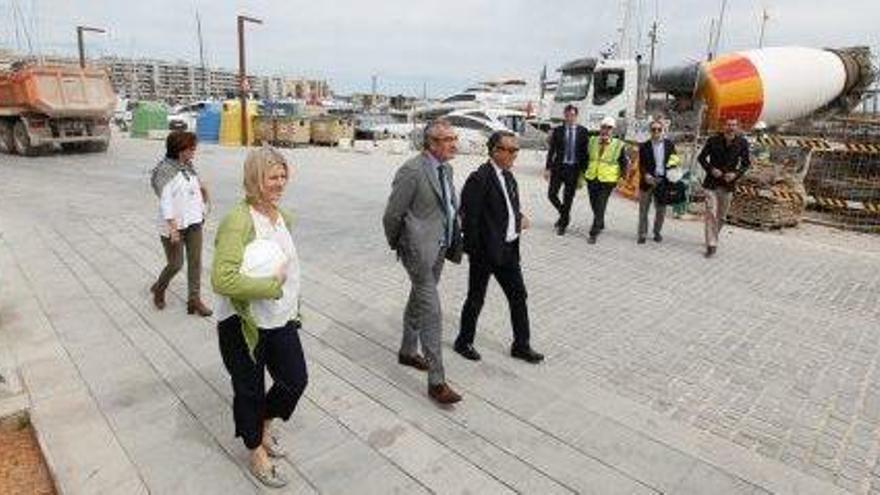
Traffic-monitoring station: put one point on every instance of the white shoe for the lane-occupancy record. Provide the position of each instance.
(272, 477)
(273, 446)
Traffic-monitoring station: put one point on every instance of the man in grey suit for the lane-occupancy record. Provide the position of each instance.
(421, 225)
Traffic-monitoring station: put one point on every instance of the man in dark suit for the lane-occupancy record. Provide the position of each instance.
(422, 225)
(492, 223)
(653, 162)
(566, 160)
(725, 158)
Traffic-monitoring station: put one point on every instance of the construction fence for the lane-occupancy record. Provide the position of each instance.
(825, 172)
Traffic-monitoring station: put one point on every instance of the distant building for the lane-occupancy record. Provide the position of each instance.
(184, 82)
(176, 82)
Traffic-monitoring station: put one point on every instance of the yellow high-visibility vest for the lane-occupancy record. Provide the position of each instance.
(605, 167)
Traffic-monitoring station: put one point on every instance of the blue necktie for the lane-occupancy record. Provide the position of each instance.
(447, 205)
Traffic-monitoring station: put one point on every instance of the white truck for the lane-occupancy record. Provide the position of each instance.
(774, 85)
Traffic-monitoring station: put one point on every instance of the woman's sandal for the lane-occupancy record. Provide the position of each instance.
(271, 477)
(273, 447)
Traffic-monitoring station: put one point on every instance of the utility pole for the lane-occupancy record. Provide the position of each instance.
(242, 74)
(764, 18)
(79, 39)
(202, 56)
(653, 37)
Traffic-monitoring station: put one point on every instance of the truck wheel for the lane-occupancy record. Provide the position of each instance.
(97, 146)
(21, 140)
(6, 144)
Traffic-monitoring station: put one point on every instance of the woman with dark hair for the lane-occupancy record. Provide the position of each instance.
(182, 204)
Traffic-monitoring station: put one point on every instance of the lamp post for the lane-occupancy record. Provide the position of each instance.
(79, 38)
(242, 74)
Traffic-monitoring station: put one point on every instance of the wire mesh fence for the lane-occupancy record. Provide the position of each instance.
(823, 171)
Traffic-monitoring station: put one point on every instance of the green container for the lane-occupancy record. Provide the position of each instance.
(148, 116)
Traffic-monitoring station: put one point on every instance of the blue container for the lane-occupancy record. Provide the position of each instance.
(208, 123)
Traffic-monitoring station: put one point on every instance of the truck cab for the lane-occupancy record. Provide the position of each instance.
(598, 88)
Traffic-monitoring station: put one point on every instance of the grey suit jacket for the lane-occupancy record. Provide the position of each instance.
(415, 217)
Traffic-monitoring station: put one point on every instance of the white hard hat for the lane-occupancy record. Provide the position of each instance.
(609, 122)
(760, 125)
(262, 258)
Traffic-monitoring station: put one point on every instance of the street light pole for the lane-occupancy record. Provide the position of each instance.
(79, 40)
(242, 74)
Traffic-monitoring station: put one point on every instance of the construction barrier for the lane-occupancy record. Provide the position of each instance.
(842, 178)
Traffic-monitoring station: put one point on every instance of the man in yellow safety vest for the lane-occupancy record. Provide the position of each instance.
(607, 163)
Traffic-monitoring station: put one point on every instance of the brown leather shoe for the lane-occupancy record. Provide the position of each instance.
(442, 394)
(416, 361)
(158, 297)
(196, 306)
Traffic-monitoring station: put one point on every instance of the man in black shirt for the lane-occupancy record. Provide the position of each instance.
(725, 158)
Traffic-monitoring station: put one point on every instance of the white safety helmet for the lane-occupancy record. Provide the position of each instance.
(262, 258)
(674, 174)
(760, 126)
(609, 121)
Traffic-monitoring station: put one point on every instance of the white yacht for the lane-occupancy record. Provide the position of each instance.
(514, 94)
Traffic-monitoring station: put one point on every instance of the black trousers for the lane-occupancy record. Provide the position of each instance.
(509, 277)
(279, 350)
(599, 194)
(563, 177)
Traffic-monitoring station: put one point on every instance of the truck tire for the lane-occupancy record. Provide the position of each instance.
(6, 144)
(22, 141)
(96, 146)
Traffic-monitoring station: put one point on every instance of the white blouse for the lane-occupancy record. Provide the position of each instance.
(271, 313)
(181, 201)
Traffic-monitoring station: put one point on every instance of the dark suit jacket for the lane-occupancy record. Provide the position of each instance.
(556, 153)
(484, 216)
(647, 164)
(733, 157)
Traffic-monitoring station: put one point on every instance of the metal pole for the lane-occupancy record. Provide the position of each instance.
(709, 54)
(202, 56)
(82, 51)
(79, 38)
(720, 27)
(653, 36)
(242, 74)
(764, 19)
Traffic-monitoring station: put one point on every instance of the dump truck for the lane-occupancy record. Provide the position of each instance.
(43, 107)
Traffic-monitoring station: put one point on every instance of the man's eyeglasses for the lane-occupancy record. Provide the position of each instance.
(656, 129)
(446, 139)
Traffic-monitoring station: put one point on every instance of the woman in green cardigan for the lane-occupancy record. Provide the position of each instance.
(256, 277)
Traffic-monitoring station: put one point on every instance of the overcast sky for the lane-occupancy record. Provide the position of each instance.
(445, 44)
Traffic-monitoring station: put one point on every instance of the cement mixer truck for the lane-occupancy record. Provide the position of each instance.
(774, 85)
(42, 106)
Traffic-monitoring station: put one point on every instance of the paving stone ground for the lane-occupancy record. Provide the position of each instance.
(754, 372)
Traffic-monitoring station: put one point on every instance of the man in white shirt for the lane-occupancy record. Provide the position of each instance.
(566, 160)
(492, 223)
(654, 155)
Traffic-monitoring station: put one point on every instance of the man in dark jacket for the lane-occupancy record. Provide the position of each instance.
(566, 159)
(492, 223)
(653, 162)
(725, 158)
